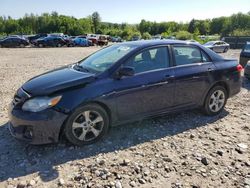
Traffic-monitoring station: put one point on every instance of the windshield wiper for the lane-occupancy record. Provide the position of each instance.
(80, 68)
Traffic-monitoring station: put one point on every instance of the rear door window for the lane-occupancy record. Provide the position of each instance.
(188, 55)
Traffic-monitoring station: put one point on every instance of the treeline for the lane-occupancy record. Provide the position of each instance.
(236, 24)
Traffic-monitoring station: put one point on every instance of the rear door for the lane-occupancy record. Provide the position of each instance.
(193, 74)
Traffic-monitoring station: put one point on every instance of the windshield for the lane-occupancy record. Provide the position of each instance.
(247, 48)
(209, 43)
(105, 58)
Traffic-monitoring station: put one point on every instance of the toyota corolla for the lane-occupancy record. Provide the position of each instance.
(121, 83)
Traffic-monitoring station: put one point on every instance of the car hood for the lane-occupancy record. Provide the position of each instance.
(56, 80)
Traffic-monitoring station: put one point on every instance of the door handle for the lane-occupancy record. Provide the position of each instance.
(169, 76)
(210, 69)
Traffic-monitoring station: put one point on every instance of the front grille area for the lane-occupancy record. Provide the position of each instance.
(16, 100)
(20, 97)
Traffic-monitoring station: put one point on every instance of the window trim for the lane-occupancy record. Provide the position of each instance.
(191, 46)
(168, 49)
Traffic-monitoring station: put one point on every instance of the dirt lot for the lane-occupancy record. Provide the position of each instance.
(182, 150)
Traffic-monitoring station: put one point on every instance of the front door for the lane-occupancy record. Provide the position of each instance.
(151, 89)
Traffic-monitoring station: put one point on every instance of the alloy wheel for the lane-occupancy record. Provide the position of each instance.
(88, 125)
(217, 101)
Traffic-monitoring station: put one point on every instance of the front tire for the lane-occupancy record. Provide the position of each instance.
(86, 125)
(215, 101)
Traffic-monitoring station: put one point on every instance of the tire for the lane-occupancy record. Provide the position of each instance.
(22, 45)
(80, 127)
(215, 101)
(40, 45)
(225, 50)
(59, 45)
(1, 46)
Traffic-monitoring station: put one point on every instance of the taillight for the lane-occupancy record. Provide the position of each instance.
(239, 68)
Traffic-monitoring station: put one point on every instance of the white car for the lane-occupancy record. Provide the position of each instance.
(218, 46)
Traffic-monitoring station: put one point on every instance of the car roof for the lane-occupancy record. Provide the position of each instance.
(145, 43)
(141, 44)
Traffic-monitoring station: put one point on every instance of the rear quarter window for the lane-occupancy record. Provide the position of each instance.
(247, 48)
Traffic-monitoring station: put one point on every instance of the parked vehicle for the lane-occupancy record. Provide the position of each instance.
(35, 37)
(192, 40)
(217, 46)
(93, 38)
(247, 70)
(80, 41)
(245, 54)
(157, 37)
(102, 40)
(122, 83)
(69, 41)
(116, 39)
(90, 43)
(50, 41)
(13, 42)
(135, 38)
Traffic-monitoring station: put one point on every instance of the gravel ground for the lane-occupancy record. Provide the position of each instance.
(180, 150)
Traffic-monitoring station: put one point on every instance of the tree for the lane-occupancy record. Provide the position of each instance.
(146, 36)
(192, 26)
(96, 19)
(183, 35)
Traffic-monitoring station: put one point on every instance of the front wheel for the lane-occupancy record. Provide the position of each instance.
(86, 125)
(215, 101)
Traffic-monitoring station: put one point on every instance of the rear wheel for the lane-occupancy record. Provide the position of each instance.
(215, 101)
(226, 49)
(59, 45)
(86, 125)
(40, 45)
(22, 45)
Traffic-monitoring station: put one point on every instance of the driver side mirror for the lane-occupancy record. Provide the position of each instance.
(125, 71)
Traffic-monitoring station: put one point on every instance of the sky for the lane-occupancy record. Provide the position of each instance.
(129, 11)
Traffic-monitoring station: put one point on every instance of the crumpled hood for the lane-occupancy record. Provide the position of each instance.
(56, 80)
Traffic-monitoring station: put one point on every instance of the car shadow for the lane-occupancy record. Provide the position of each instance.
(20, 159)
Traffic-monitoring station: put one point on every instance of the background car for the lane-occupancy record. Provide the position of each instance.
(102, 40)
(245, 54)
(50, 41)
(247, 70)
(69, 41)
(218, 46)
(93, 38)
(116, 39)
(35, 37)
(81, 41)
(13, 42)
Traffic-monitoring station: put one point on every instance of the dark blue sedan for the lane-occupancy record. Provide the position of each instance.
(118, 84)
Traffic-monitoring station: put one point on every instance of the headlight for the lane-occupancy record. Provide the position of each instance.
(40, 103)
